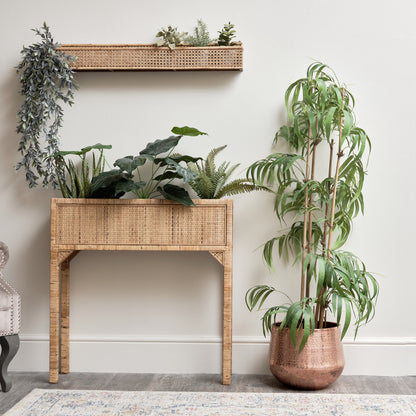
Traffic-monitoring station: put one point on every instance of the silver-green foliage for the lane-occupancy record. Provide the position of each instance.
(77, 181)
(47, 82)
(320, 114)
(170, 37)
(200, 36)
(211, 182)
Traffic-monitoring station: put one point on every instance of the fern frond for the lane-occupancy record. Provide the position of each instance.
(203, 186)
(210, 160)
(240, 186)
(211, 182)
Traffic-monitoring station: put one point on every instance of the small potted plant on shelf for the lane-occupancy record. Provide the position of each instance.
(306, 349)
(170, 37)
(199, 51)
(200, 36)
(226, 35)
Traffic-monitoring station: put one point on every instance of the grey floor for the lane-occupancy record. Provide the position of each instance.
(23, 383)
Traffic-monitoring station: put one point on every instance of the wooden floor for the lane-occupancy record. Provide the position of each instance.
(23, 383)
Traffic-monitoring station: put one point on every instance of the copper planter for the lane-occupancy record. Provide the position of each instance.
(318, 365)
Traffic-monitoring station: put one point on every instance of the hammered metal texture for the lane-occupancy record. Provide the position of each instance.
(318, 365)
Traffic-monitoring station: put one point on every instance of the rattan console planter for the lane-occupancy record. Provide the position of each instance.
(133, 224)
(149, 57)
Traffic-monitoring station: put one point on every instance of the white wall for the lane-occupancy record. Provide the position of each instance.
(158, 312)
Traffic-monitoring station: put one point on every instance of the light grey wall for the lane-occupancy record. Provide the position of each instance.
(151, 299)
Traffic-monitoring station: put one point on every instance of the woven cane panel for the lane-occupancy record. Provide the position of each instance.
(153, 58)
(140, 225)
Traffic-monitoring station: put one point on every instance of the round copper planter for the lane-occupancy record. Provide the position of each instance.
(318, 365)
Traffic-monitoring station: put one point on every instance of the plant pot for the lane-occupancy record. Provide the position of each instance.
(318, 365)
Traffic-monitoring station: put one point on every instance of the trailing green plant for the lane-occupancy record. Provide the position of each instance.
(320, 208)
(211, 182)
(201, 36)
(77, 183)
(170, 37)
(165, 167)
(47, 81)
(226, 35)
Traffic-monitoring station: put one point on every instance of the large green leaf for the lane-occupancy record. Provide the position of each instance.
(104, 185)
(160, 146)
(187, 131)
(97, 146)
(128, 186)
(67, 152)
(163, 161)
(186, 174)
(130, 163)
(83, 151)
(175, 193)
(168, 174)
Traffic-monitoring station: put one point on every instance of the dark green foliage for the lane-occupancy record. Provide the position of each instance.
(226, 35)
(320, 113)
(170, 37)
(201, 35)
(210, 182)
(77, 181)
(165, 167)
(47, 82)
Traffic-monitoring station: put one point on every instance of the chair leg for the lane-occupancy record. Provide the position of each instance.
(9, 346)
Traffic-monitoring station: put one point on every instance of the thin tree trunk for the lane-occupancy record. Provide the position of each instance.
(305, 218)
(334, 196)
(326, 223)
(315, 143)
(339, 156)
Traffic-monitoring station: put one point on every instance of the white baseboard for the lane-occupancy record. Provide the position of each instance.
(198, 354)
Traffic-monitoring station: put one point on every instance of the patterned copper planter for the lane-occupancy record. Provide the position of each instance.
(318, 365)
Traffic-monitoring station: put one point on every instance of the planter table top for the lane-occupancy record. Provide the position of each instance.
(128, 224)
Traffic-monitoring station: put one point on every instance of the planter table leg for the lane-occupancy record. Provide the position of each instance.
(54, 319)
(227, 319)
(65, 317)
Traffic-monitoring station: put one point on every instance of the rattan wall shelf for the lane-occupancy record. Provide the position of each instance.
(133, 224)
(149, 57)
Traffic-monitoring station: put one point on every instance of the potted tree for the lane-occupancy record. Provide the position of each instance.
(319, 206)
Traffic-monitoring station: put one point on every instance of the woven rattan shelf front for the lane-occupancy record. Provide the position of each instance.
(149, 57)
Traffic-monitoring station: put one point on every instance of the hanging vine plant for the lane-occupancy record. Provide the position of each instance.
(47, 82)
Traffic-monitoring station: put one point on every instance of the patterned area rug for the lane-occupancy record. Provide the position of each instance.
(124, 403)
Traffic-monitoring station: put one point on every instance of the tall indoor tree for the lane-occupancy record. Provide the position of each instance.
(318, 206)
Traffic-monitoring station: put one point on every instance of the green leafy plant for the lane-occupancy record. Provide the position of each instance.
(47, 81)
(320, 209)
(165, 167)
(79, 177)
(226, 35)
(200, 36)
(170, 37)
(211, 182)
